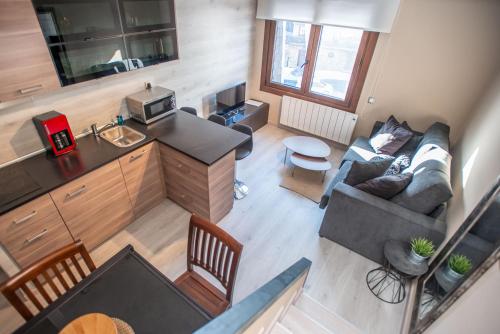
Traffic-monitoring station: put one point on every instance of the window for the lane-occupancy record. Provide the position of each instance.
(323, 64)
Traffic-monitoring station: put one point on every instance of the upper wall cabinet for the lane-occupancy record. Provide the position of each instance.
(147, 15)
(77, 20)
(25, 64)
(89, 39)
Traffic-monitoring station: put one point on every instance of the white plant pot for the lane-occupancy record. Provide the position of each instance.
(417, 259)
(452, 275)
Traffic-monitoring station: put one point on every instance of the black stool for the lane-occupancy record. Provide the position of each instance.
(242, 151)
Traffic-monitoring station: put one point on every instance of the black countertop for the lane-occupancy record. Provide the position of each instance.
(196, 137)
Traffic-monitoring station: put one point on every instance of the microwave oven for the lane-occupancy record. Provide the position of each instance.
(151, 104)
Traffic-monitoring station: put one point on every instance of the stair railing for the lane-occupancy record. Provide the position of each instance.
(258, 312)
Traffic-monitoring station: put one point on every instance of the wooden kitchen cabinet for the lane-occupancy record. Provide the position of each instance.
(33, 230)
(96, 205)
(26, 67)
(201, 189)
(143, 178)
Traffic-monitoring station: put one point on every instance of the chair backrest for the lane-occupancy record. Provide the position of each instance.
(58, 270)
(214, 250)
(248, 145)
(217, 119)
(189, 110)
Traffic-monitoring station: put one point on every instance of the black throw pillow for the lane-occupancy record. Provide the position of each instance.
(391, 137)
(364, 170)
(410, 147)
(407, 127)
(386, 186)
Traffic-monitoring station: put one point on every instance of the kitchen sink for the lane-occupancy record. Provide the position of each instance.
(122, 136)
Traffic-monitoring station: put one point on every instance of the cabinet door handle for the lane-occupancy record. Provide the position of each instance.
(76, 192)
(135, 157)
(24, 219)
(36, 237)
(31, 89)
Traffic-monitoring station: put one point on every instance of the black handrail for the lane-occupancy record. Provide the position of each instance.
(242, 315)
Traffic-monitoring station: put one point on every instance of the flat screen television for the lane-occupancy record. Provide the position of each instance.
(231, 98)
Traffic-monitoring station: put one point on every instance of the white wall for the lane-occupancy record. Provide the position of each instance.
(433, 66)
(216, 39)
(475, 167)
(476, 157)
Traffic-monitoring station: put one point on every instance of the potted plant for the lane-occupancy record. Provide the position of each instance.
(458, 266)
(421, 249)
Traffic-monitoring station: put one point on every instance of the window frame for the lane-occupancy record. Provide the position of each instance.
(358, 76)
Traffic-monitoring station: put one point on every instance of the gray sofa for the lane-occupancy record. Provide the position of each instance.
(363, 222)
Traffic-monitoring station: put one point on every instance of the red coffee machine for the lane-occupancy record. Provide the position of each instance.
(55, 132)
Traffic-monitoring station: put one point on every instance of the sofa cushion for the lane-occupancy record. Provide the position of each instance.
(376, 128)
(437, 134)
(407, 127)
(391, 137)
(386, 186)
(361, 171)
(360, 150)
(439, 213)
(430, 185)
(411, 145)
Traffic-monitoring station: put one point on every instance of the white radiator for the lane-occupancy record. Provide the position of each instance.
(317, 119)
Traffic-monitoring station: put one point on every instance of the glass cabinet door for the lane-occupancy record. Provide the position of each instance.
(70, 20)
(147, 15)
(82, 61)
(152, 48)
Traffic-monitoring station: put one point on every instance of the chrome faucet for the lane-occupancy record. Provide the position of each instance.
(97, 131)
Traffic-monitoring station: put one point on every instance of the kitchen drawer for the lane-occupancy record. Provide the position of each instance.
(190, 200)
(33, 231)
(143, 178)
(184, 163)
(96, 205)
(199, 188)
(181, 168)
(176, 172)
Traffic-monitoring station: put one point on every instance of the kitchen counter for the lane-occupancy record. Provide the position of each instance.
(196, 137)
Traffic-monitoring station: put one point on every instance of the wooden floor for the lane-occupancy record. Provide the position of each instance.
(276, 227)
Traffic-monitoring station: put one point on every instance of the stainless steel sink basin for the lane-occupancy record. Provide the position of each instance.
(122, 136)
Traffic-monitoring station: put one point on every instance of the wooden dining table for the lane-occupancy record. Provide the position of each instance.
(126, 287)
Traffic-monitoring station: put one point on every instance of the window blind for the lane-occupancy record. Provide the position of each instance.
(370, 15)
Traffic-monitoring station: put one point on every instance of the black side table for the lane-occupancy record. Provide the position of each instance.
(388, 282)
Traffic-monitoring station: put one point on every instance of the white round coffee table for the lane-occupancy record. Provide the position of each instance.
(308, 146)
(310, 163)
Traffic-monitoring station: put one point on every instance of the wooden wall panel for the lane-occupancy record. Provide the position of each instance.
(215, 49)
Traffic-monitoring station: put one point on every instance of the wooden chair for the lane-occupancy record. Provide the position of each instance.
(214, 250)
(55, 265)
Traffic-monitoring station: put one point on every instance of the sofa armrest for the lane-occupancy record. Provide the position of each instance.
(363, 222)
(338, 178)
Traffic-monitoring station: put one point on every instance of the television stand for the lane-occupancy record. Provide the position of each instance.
(248, 114)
